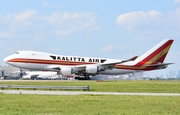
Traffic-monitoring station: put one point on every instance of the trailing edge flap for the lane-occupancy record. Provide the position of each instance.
(158, 65)
(53, 67)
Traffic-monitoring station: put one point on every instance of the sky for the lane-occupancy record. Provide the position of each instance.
(118, 29)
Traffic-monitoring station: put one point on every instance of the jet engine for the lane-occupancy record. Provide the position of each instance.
(92, 69)
(66, 71)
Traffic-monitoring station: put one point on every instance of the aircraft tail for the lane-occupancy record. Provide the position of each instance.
(156, 55)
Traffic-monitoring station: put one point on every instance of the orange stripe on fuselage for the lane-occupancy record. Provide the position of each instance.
(56, 62)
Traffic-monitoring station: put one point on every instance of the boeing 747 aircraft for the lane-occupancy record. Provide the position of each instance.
(89, 66)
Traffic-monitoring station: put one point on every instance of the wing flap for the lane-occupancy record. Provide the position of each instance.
(53, 67)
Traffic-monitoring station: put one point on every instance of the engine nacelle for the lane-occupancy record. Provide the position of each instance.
(66, 71)
(92, 69)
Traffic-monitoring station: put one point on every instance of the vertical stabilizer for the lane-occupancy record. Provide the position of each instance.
(157, 54)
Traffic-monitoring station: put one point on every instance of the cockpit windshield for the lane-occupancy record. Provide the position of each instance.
(16, 52)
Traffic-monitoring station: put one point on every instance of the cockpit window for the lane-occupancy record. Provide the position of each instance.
(16, 52)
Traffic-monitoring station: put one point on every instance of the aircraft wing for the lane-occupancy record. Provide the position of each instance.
(106, 65)
(123, 61)
(110, 63)
(103, 66)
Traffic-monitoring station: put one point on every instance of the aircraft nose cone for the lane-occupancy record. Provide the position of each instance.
(6, 59)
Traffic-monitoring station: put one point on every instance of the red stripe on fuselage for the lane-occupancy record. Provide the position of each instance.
(56, 62)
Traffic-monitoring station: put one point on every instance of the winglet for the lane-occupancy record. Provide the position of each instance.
(131, 59)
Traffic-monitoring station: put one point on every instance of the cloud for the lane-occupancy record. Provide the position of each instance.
(176, 16)
(176, 1)
(11, 23)
(63, 32)
(66, 22)
(23, 15)
(82, 19)
(29, 23)
(150, 26)
(5, 34)
(46, 4)
(108, 48)
(138, 18)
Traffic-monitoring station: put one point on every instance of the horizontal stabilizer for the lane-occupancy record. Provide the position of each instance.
(159, 65)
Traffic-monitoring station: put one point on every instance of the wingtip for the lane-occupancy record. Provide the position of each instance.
(133, 58)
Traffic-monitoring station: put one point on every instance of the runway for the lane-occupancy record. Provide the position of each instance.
(84, 93)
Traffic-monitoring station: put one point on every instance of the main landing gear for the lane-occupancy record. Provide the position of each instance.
(21, 74)
(83, 76)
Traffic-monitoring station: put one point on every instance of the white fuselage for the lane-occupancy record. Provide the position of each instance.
(42, 61)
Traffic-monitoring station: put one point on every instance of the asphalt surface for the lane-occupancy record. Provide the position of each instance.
(83, 92)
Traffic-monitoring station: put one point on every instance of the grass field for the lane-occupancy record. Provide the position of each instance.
(110, 86)
(95, 104)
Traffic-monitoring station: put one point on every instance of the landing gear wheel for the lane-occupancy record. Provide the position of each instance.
(21, 74)
(83, 77)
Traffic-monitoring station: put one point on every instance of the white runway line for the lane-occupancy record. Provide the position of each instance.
(82, 93)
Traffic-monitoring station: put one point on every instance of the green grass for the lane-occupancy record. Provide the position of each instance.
(87, 105)
(20, 104)
(111, 86)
